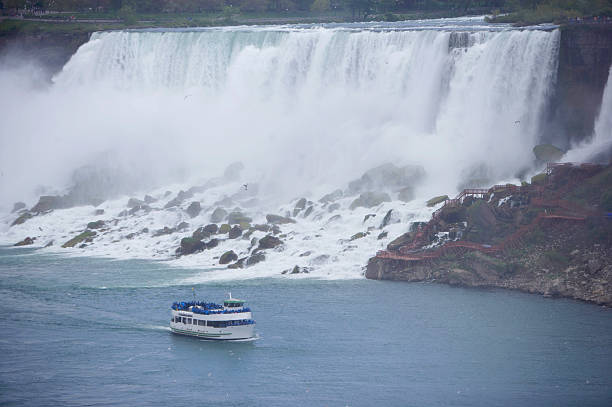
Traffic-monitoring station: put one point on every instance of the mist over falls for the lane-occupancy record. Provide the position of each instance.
(306, 110)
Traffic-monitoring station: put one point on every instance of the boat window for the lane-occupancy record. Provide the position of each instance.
(184, 320)
(195, 321)
(189, 320)
(201, 323)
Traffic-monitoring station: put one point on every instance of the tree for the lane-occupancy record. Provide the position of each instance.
(320, 6)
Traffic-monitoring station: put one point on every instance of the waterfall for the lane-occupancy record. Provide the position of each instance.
(305, 109)
(599, 148)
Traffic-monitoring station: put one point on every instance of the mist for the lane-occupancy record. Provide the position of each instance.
(305, 110)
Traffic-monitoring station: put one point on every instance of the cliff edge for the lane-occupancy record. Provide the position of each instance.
(553, 237)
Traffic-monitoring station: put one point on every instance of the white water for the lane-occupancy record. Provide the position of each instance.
(599, 148)
(306, 110)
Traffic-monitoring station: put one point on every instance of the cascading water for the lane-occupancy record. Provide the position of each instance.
(318, 106)
(599, 148)
(305, 109)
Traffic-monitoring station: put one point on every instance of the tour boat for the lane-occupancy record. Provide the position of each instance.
(207, 320)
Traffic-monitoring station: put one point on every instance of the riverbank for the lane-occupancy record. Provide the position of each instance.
(553, 237)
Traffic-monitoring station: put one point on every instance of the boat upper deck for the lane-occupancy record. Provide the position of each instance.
(210, 308)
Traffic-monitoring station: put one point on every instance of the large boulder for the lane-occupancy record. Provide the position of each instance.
(255, 258)
(387, 176)
(95, 225)
(193, 209)
(137, 208)
(212, 243)
(86, 236)
(370, 199)
(190, 245)
(200, 234)
(25, 242)
(269, 242)
(236, 218)
(149, 199)
(228, 257)
(218, 215)
(22, 218)
(165, 231)
(235, 232)
(400, 241)
(278, 220)
(182, 195)
(49, 202)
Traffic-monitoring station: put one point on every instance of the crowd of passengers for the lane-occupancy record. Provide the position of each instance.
(184, 305)
(214, 324)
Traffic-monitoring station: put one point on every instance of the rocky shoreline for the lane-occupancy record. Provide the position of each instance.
(563, 255)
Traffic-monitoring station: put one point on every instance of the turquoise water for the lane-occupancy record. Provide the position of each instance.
(85, 331)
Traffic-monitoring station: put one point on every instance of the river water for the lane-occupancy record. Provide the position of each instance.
(90, 331)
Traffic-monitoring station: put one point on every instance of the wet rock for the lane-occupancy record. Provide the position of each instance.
(400, 241)
(193, 209)
(165, 231)
(190, 245)
(278, 220)
(123, 213)
(197, 189)
(182, 195)
(235, 232)
(18, 206)
(436, 200)
(99, 212)
(218, 215)
(383, 235)
(235, 218)
(255, 258)
(212, 243)
(269, 242)
(85, 236)
(332, 196)
(306, 254)
(225, 228)
(22, 218)
(275, 230)
(296, 270)
(370, 199)
(95, 225)
(211, 228)
(130, 236)
(167, 194)
(200, 234)
(308, 211)
(238, 265)
(387, 219)
(137, 208)
(149, 199)
(334, 218)
(368, 216)
(49, 243)
(49, 202)
(25, 242)
(228, 257)
(358, 236)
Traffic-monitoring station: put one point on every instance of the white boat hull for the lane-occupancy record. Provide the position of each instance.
(218, 334)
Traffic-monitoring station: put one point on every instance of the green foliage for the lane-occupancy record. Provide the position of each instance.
(539, 178)
(126, 13)
(79, 238)
(319, 6)
(436, 200)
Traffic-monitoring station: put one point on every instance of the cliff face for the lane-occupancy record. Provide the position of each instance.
(585, 56)
(554, 238)
(50, 49)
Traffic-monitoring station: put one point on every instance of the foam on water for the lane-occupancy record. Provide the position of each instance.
(305, 108)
